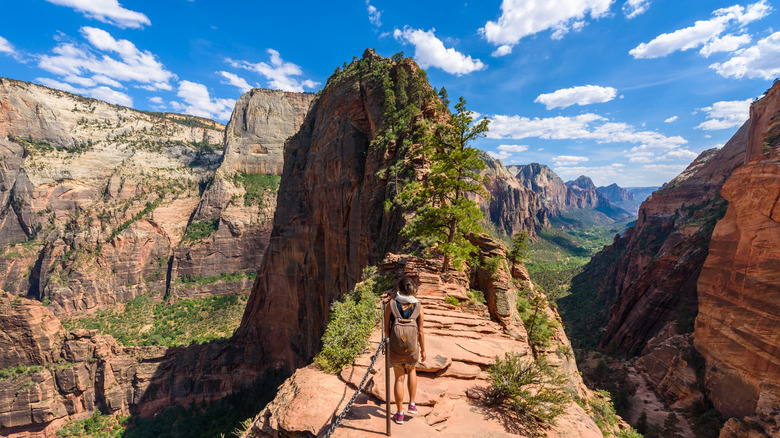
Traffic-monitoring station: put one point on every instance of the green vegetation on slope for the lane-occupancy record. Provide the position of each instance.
(560, 251)
(350, 323)
(182, 322)
(257, 186)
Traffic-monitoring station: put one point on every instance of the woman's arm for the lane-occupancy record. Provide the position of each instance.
(420, 323)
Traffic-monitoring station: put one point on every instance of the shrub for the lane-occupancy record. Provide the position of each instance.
(350, 324)
(19, 371)
(256, 185)
(530, 391)
(493, 264)
(628, 433)
(602, 412)
(476, 296)
(200, 230)
(451, 300)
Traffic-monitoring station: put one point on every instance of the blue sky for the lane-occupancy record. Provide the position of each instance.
(625, 91)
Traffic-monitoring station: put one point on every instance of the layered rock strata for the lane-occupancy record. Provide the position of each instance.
(103, 203)
(512, 207)
(261, 122)
(559, 197)
(62, 375)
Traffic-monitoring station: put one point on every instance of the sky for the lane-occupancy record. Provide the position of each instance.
(624, 91)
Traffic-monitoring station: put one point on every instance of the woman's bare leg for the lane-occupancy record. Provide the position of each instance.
(399, 387)
(412, 384)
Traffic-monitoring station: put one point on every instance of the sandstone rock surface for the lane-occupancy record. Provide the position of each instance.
(261, 122)
(446, 408)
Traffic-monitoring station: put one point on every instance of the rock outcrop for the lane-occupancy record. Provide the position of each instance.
(739, 285)
(59, 375)
(546, 183)
(621, 197)
(559, 197)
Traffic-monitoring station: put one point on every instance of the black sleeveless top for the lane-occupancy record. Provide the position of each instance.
(405, 313)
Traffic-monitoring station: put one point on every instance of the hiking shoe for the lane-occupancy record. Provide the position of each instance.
(398, 418)
(412, 410)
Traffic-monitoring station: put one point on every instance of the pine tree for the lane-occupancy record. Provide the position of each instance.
(519, 246)
(445, 214)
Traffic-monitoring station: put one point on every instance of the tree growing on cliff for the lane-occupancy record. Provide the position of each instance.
(445, 214)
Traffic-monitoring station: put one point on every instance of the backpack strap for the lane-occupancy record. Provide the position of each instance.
(394, 310)
(415, 312)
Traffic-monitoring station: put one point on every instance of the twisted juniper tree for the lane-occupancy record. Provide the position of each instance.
(445, 214)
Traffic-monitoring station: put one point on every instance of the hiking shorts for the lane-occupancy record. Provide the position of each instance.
(404, 366)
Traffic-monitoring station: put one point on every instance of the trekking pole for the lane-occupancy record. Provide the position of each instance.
(387, 373)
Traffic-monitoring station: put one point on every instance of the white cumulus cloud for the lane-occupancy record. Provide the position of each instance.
(726, 43)
(236, 81)
(521, 18)
(429, 51)
(761, 61)
(102, 92)
(6, 47)
(671, 119)
(702, 32)
(568, 160)
(726, 114)
(198, 102)
(106, 60)
(633, 8)
(583, 95)
(374, 15)
(513, 148)
(281, 75)
(586, 126)
(107, 11)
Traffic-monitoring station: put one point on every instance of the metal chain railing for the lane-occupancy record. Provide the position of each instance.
(341, 416)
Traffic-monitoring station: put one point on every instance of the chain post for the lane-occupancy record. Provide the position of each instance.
(341, 416)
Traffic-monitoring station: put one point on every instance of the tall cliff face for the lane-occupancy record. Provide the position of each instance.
(103, 203)
(653, 268)
(241, 200)
(739, 286)
(559, 197)
(330, 220)
(546, 183)
(261, 122)
(97, 196)
(512, 207)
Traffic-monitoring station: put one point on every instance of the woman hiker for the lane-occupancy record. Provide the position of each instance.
(404, 323)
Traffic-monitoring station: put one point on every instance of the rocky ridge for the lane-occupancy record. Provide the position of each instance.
(461, 342)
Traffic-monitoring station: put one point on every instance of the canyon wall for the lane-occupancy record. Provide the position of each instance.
(512, 207)
(652, 269)
(739, 286)
(559, 197)
(103, 203)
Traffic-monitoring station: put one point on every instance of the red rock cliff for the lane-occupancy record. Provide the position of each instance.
(739, 286)
(330, 220)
